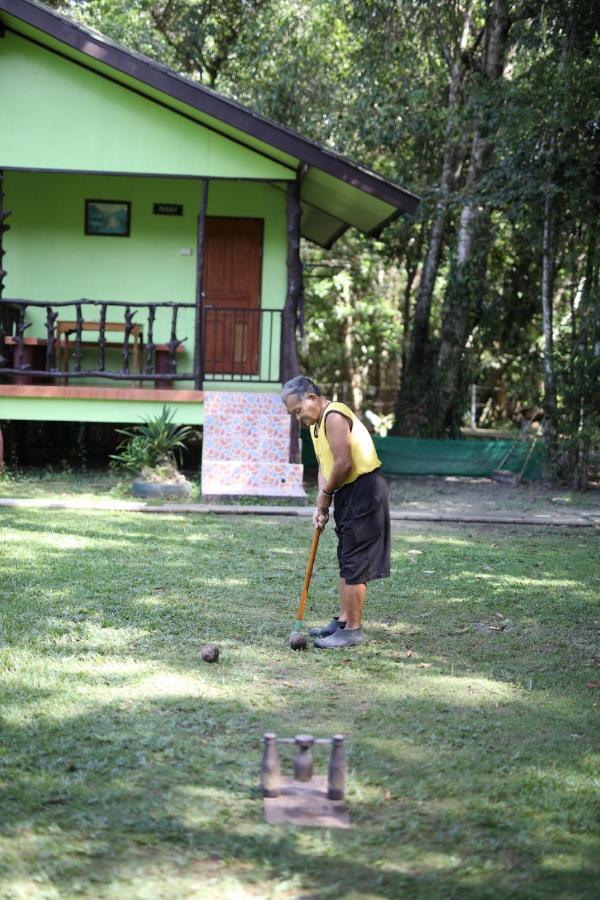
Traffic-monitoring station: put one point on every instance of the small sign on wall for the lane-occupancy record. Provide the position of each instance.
(167, 209)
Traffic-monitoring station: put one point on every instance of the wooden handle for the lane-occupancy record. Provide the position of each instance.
(309, 571)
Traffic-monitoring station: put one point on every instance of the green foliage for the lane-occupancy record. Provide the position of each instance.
(133, 454)
(154, 442)
(353, 326)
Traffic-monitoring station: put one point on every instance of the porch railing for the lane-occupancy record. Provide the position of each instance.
(237, 344)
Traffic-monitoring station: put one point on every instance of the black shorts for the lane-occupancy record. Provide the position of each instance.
(362, 523)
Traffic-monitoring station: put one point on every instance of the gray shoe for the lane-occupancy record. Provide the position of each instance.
(342, 638)
(326, 630)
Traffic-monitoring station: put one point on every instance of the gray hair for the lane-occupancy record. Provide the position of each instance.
(301, 385)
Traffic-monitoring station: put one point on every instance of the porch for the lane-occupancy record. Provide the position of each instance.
(155, 347)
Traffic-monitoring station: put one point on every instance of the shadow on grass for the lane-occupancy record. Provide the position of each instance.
(179, 773)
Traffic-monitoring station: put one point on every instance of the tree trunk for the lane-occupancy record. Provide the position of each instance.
(353, 374)
(548, 272)
(465, 277)
(586, 368)
(412, 262)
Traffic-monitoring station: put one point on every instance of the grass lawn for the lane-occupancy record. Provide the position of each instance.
(129, 768)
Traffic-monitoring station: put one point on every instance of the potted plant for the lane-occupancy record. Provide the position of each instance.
(149, 452)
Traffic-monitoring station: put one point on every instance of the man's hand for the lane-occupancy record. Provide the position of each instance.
(320, 518)
(321, 513)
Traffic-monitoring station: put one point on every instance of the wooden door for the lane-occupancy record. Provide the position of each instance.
(232, 273)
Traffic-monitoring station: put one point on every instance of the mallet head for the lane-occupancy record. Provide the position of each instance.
(297, 640)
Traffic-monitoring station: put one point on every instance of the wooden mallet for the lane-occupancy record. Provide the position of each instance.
(297, 638)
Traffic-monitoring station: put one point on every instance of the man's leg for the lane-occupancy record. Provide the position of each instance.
(349, 632)
(352, 601)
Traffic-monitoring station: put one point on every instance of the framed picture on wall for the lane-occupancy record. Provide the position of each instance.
(108, 218)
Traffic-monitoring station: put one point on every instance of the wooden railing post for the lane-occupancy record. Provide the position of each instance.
(150, 345)
(102, 339)
(51, 318)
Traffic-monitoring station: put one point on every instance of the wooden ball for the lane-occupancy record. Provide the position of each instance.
(210, 653)
(298, 641)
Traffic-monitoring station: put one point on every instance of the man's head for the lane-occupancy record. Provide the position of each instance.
(302, 398)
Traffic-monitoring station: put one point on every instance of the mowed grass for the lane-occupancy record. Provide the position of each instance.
(129, 768)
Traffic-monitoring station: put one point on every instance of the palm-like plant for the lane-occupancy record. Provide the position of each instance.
(156, 442)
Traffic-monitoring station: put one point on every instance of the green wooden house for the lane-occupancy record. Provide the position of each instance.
(150, 234)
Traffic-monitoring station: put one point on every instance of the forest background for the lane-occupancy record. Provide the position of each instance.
(490, 111)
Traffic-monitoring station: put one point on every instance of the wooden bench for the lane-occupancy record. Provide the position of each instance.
(34, 357)
(64, 330)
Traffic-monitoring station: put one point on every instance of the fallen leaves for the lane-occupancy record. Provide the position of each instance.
(497, 627)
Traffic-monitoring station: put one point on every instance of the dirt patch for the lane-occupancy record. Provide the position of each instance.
(451, 494)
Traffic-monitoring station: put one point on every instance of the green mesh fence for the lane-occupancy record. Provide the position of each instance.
(476, 457)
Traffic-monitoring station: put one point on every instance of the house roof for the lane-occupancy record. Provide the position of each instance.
(336, 193)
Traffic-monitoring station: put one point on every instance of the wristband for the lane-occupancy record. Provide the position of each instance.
(328, 493)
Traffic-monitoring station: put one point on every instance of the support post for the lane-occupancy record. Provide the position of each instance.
(4, 214)
(288, 367)
(199, 327)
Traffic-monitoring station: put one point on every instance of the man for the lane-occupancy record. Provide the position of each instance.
(348, 472)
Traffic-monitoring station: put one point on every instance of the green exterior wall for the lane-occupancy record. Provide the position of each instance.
(49, 409)
(63, 116)
(49, 258)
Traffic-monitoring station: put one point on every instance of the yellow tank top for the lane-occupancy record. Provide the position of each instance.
(364, 455)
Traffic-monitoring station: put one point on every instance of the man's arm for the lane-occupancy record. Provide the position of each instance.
(338, 438)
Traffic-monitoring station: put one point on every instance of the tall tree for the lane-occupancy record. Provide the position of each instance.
(457, 43)
(471, 241)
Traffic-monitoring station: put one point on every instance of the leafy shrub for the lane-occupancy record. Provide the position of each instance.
(156, 442)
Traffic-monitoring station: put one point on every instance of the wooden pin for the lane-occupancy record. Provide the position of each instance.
(303, 763)
(336, 777)
(270, 769)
